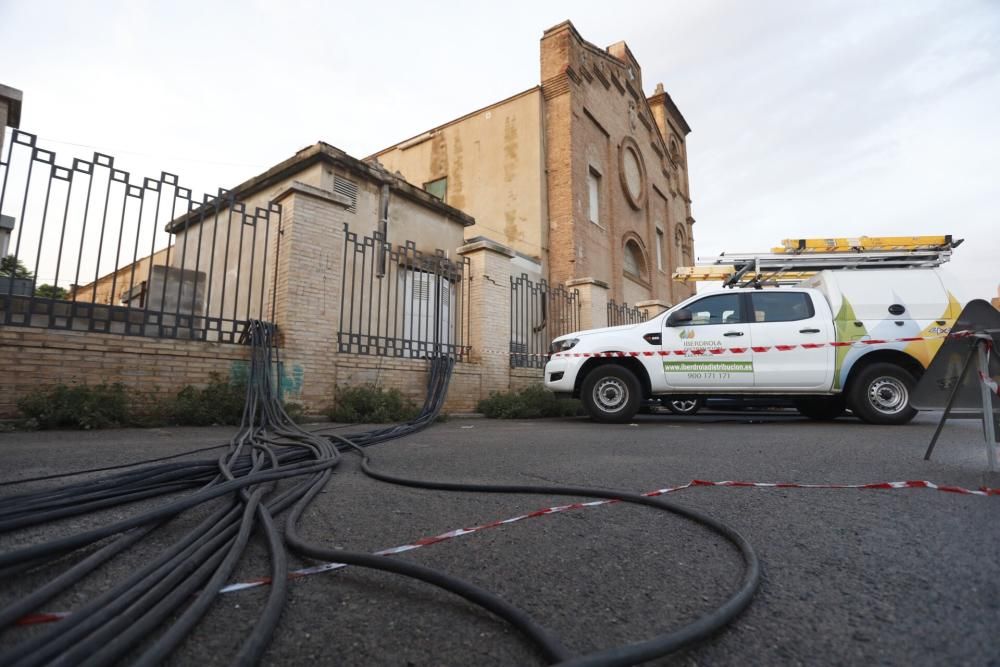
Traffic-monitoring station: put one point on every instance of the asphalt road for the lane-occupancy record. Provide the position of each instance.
(890, 577)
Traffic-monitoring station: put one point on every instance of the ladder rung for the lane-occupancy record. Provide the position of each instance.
(867, 243)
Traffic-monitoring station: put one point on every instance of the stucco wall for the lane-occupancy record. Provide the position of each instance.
(109, 288)
(493, 161)
(409, 220)
(232, 254)
(241, 262)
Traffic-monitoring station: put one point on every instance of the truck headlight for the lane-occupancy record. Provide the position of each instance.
(563, 345)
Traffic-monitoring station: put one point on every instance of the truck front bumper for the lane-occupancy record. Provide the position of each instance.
(560, 374)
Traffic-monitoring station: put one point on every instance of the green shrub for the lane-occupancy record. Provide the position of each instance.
(113, 405)
(371, 405)
(79, 406)
(220, 402)
(529, 403)
(149, 409)
(294, 410)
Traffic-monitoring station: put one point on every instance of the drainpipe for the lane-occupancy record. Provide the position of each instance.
(383, 228)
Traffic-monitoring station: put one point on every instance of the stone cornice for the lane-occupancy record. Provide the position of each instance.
(481, 243)
(577, 282)
(668, 103)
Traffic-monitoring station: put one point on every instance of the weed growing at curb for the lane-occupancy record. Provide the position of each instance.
(529, 403)
(80, 406)
(370, 404)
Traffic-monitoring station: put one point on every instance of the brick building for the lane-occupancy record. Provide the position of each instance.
(583, 175)
(581, 180)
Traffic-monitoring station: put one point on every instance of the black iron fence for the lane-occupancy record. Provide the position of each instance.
(89, 247)
(401, 302)
(619, 314)
(539, 312)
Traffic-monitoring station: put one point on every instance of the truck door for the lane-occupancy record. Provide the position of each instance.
(789, 339)
(696, 351)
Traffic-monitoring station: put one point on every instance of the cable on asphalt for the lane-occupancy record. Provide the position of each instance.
(636, 652)
(270, 466)
(87, 471)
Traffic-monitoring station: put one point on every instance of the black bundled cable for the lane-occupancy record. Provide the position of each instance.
(175, 589)
(88, 471)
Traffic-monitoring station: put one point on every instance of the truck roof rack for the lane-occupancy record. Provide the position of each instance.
(798, 259)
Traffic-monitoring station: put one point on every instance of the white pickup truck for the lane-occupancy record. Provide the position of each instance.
(855, 339)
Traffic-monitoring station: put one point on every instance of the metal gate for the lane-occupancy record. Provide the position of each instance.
(539, 312)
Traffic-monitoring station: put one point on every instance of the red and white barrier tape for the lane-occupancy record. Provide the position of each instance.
(704, 351)
(990, 382)
(986, 379)
(757, 349)
(48, 617)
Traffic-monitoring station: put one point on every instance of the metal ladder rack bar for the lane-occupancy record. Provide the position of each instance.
(784, 269)
(818, 261)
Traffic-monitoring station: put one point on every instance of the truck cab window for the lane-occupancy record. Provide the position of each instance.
(717, 309)
(781, 306)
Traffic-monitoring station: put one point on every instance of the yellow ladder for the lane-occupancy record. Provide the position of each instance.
(867, 244)
(798, 259)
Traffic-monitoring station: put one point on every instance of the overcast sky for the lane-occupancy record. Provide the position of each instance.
(815, 118)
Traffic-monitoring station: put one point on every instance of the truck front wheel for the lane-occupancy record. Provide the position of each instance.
(880, 394)
(611, 394)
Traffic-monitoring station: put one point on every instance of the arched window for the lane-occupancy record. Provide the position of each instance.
(634, 263)
(680, 239)
(675, 151)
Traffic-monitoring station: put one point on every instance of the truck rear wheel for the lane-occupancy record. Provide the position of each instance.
(880, 394)
(821, 409)
(611, 394)
(684, 406)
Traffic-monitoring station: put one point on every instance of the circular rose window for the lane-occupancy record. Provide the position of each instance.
(633, 173)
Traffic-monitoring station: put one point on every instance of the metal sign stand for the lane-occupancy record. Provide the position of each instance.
(980, 351)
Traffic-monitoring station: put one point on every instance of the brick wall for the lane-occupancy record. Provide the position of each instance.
(33, 358)
(409, 376)
(594, 109)
(521, 378)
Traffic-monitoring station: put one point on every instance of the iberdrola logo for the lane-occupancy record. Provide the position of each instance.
(686, 334)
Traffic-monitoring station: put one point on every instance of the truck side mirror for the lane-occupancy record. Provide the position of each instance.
(679, 317)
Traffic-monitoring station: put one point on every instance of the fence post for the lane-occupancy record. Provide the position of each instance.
(593, 302)
(489, 310)
(306, 298)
